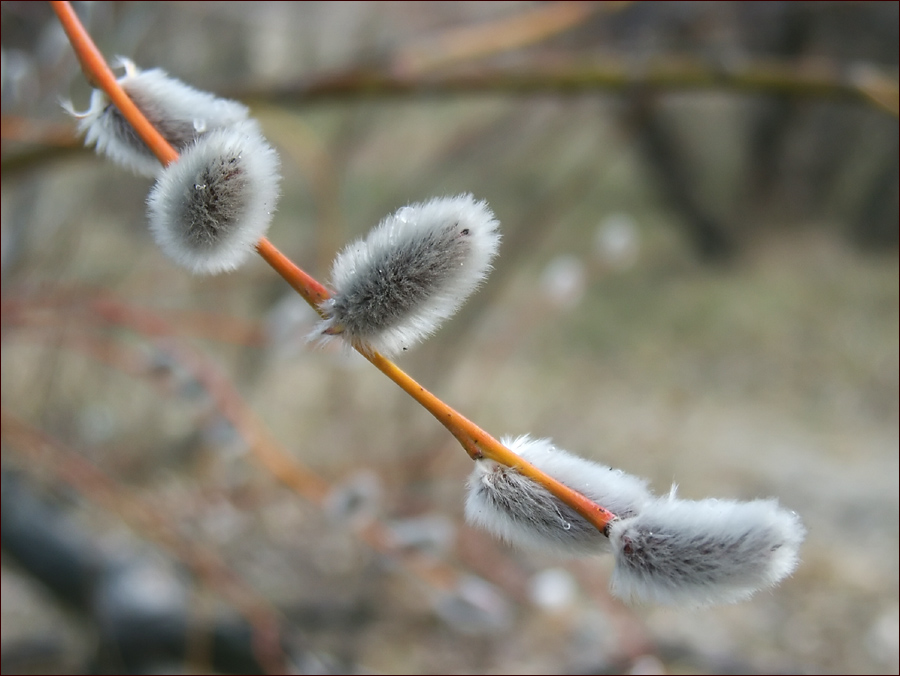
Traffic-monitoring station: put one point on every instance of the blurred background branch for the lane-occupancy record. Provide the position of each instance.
(558, 74)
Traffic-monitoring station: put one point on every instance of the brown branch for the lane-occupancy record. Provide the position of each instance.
(566, 75)
(503, 34)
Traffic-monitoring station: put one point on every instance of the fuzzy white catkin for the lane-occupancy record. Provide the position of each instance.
(210, 207)
(699, 553)
(413, 271)
(522, 512)
(178, 111)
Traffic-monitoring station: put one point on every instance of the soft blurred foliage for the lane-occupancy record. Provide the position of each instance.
(699, 286)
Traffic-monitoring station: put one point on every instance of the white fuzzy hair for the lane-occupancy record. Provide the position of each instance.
(178, 111)
(413, 271)
(210, 207)
(683, 552)
(522, 512)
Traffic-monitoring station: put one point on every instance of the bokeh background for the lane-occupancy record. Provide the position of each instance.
(698, 284)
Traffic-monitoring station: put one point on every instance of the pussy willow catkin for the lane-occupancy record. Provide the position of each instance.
(210, 207)
(698, 553)
(522, 512)
(413, 271)
(178, 111)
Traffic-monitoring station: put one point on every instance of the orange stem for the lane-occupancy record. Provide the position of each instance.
(100, 74)
(312, 292)
(477, 443)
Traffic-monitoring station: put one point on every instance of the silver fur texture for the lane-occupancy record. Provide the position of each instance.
(412, 271)
(210, 207)
(178, 111)
(699, 553)
(522, 512)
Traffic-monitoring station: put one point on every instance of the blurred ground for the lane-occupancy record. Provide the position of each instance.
(769, 371)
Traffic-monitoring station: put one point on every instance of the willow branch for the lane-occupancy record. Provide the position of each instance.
(477, 443)
(567, 75)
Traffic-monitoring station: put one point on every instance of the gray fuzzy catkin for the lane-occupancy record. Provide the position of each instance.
(179, 112)
(698, 553)
(210, 207)
(522, 512)
(412, 271)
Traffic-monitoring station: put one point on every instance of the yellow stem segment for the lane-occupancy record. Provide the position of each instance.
(479, 444)
(312, 292)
